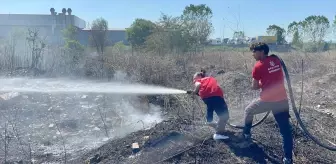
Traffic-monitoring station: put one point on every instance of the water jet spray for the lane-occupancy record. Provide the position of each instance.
(76, 86)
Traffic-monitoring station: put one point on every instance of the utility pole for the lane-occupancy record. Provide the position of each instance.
(223, 31)
(223, 28)
(238, 24)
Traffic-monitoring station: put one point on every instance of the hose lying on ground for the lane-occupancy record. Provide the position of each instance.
(296, 113)
(254, 125)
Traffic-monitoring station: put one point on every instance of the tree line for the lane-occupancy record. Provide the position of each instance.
(169, 34)
(190, 32)
(313, 29)
(193, 28)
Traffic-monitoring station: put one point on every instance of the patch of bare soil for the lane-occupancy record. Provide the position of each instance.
(119, 150)
(176, 141)
(321, 93)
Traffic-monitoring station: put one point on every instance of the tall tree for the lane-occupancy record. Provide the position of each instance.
(316, 27)
(296, 31)
(139, 31)
(37, 46)
(167, 36)
(238, 34)
(168, 21)
(70, 33)
(197, 19)
(99, 30)
(72, 45)
(278, 32)
(334, 26)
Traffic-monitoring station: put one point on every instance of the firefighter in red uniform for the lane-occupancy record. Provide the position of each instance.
(268, 76)
(212, 95)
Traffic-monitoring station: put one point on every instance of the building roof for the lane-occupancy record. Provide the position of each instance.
(39, 20)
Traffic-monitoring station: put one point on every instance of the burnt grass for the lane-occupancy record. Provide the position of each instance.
(178, 140)
(267, 147)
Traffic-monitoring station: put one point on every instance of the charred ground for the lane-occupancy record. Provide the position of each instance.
(194, 144)
(203, 149)
(179, 132)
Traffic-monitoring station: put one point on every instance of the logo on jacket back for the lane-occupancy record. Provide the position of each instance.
(273, 68)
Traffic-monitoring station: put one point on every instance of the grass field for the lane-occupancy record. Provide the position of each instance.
(231, 67)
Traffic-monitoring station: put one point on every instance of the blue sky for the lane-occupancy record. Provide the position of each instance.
(252, 16)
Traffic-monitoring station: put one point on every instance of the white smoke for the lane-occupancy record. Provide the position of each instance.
(84, 121)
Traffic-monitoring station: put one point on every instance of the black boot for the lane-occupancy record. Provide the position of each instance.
(245, 140)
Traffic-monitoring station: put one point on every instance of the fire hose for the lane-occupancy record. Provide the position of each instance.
(296, 112)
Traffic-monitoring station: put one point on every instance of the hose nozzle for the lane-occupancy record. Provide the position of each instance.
(189, 92)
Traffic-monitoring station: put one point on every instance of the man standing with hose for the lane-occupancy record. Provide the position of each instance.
(267, 75)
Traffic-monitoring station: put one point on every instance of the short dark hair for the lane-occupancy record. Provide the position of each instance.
(260, 46)
(201, 74)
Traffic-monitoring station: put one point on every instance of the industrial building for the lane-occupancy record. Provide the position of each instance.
(50, 26)
(113, 36)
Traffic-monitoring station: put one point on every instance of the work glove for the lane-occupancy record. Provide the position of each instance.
(190, 92)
